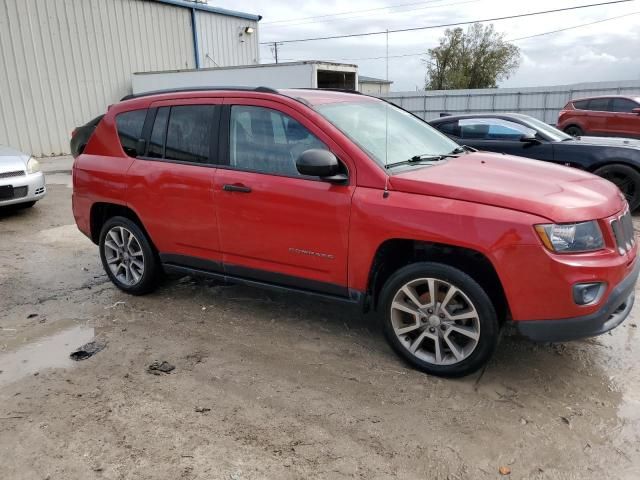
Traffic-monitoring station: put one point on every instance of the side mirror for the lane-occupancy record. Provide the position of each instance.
(636, 111)
(141, 147)
(528, 138)
(320, 163)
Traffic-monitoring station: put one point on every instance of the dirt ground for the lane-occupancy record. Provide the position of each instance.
(271, 386)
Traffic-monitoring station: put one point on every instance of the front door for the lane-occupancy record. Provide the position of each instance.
(276, 225)
(623, 122)
(171, 185)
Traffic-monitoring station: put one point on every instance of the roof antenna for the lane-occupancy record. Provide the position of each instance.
(385, 194)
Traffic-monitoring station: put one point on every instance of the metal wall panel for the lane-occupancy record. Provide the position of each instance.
(222, 41)
(543, 103)
(62, 62)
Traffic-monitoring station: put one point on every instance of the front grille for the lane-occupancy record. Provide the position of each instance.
(15, 173)
(19, 192)
(623, 232)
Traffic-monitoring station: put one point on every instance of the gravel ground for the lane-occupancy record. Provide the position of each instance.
(273, 386)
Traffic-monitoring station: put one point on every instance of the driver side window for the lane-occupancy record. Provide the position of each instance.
(493, 129)
(267, 141)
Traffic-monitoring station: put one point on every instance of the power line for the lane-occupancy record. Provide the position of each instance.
(412, 29)
(346, 13)
(510, 40)
(322, 20)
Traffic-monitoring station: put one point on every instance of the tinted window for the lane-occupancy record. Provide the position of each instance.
(599, 104)
(188, 134)
(156, 142)
(264, 140)
(623, 105)
(492, 129)
(449, 128)
(129, 126)
(581, 105)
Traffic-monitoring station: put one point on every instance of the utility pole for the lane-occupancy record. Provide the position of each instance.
(387, 55)
(275, 50)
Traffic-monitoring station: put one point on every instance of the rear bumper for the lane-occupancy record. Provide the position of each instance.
(26, 188)
(612, 313)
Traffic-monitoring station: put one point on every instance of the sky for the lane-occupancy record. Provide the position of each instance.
(605, 51)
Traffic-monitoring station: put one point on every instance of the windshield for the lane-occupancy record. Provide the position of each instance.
(386, 133)
(552, 132)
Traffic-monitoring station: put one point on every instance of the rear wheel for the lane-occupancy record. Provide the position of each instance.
(574, 131)
(439, 319)
(127, 256)
(626, 178)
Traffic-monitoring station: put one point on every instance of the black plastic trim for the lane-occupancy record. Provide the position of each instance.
(199, 89)
(599, 322)
(259, 278)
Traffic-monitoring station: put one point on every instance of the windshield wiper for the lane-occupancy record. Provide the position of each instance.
(425, 157)
(463, 149)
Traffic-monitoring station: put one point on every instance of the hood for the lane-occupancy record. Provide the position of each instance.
(561, 194)
(606, 141)
(12, 159)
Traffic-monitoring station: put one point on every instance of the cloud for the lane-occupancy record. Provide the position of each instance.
(605, 51)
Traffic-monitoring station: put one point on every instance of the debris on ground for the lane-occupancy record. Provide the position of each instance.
(504, 470)
(115, 305)
(158, 367)
(32, 315)
(202, 409)
(566, 420)
(87, 350)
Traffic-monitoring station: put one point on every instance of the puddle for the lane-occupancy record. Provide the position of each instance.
(65, 234)
(48, 352)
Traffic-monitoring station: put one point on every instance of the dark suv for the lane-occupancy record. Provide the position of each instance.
(352, 199)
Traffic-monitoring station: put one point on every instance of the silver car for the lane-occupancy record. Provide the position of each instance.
(21, 181)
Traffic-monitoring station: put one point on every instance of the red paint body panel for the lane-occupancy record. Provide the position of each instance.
(330, 233)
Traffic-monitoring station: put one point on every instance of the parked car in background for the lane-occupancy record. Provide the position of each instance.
(616, 159)
(612, 116)
(347, 197)
(21, 181)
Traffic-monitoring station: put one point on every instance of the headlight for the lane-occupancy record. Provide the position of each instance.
(33, 165)
(571, 237)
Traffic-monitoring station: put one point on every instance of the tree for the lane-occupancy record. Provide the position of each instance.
(479, 58)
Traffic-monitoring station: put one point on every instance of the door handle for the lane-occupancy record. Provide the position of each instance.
(236, 188)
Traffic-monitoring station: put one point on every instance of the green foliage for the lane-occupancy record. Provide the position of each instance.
(479, 58)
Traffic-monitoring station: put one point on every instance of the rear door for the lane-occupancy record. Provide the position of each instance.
(171, 185)
(597, 117)
(622, 121)
(275, 224)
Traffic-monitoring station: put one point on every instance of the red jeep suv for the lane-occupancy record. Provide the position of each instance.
(601, 116)
(350, 198)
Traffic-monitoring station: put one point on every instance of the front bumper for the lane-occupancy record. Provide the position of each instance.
(26, 188)
(611, 314)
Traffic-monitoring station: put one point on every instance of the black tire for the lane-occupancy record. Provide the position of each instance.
(574, 131)
(485, 318)
(152, 269)
(626, 178)
(26, 204)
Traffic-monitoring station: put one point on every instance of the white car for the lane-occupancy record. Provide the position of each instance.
(21, 181)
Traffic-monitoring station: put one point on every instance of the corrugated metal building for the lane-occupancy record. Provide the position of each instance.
(62, 62)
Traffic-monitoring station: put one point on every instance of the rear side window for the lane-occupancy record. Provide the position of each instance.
(599, 104)
(623, 105)
(449, 128)
(156, 142)
(189, 133)
(581, 104)
(129, 125)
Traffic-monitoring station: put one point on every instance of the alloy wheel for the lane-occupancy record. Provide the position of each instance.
(124, 255)
(435, 321)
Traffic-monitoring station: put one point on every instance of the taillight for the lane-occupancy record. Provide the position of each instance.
(73, 132)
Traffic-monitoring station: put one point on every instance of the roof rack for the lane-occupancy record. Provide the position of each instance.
(342, 90)
(198, 89)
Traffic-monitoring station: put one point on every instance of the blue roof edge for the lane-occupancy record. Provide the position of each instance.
(210, 9)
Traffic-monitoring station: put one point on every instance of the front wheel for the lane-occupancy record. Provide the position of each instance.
(439, 319)
(626, 178)
(128, 257)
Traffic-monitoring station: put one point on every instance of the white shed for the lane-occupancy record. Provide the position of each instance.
(62, 63)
